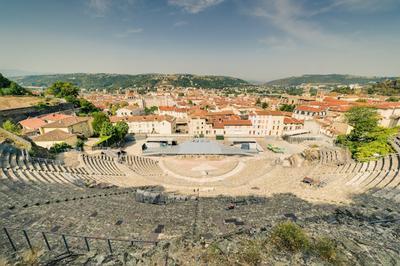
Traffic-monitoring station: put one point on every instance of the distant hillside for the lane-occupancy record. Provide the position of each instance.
(326, 79)
(112, 81)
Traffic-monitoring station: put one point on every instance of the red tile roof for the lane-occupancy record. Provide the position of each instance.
(32, 123)
(142, 118)
(54, 135)
(272, 113)
(291, 120)
(54, 117)
(67, 122)
(172, 109)
(310, 108)
(237, 123)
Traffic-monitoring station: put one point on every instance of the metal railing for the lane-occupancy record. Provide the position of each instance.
(14, 235)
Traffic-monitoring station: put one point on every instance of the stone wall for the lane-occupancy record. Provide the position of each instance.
(19, 114)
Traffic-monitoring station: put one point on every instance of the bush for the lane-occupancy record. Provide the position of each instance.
(60, 147)
(250, 254)
(12, 127)
(41, 105)
(290, 237)
(325, 248)
(31, 257)
(214, 256)
(219, 137)
(79, 145)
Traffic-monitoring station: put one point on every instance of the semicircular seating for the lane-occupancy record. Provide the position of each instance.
(142, 165)
(101, 164)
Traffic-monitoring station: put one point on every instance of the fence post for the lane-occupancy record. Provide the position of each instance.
(87, 243)
(9, 239)
(27, 239)
(45, 240)
(65, 243)
(109, 245)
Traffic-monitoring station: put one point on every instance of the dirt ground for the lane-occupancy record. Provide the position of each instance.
(9, 102)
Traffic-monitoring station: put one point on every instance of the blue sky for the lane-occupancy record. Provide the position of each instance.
(252, 39)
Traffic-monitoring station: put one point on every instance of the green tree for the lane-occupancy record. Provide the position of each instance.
(79, 145)
(121, 129)
(313, 91)
(367, 140)
(150, 110)
(114, 107)
(87, 107)
(60, 147)
(344, 90)
(287, 107)
(8, 87)
(62, 89)
(12, 127)
(99, 119)
(393, 99)
(264, 105)
(107, 130)
(363, 120)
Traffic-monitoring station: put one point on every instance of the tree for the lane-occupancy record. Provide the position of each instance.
(367, 140)
(393, 99)
(287, 107)
(60, 147)
(150, 110)
(98, 119)
(313, 91)
(363, 120)
(121, 129)
(15, 89)
(4, 82)
(344, 90)
(264, 105)
(114, 107)
(114, 133)
(8, 87)
(79, 145)
(87, 107)
(12, 127)
(62, 89)
(107, 130)
(258, 102)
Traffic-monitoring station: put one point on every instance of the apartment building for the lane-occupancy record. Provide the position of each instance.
(148, 124)
(267, 122)
(179, 113)
(305, 112)
(129, 110)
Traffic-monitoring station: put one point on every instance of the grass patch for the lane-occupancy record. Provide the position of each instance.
(325, 248)
(31, 257)
(4, 262)
(250, 252)
(288, 236)
(214, 256)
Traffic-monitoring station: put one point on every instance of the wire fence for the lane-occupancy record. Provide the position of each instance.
(21, 239)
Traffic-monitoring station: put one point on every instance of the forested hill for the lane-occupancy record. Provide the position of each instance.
(111, 81)
(326, 79)
(8, 87)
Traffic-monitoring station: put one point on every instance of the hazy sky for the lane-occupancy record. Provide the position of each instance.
(252, 39)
